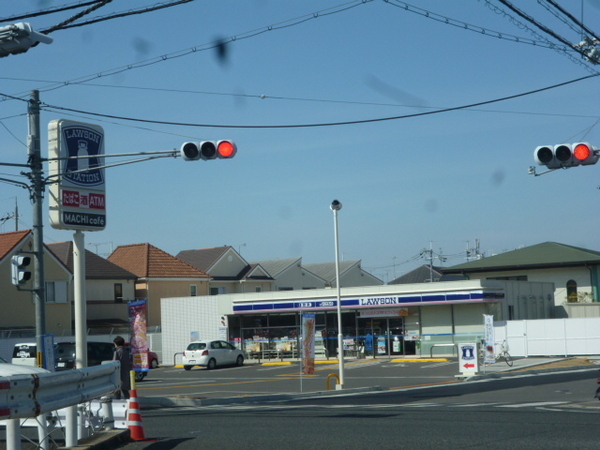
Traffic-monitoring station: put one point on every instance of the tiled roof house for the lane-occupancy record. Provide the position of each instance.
(160, 275)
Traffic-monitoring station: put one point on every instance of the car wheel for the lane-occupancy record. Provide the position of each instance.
(212, 363)
(154, 363)
(139, 376)
(187, 367)
(239, 361)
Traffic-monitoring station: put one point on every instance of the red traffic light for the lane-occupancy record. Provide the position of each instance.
(566, 155)
(226, 149)
(193, 151)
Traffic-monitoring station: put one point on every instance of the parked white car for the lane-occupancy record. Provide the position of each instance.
(211, 354)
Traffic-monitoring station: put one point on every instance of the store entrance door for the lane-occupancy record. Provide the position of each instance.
(382, 336)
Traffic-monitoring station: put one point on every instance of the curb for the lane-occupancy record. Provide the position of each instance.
(104, 440)
(529, 372)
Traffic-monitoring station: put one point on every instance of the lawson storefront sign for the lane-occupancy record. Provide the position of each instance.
(437, 298)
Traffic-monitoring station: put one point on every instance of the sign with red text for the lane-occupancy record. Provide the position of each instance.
(77, 184)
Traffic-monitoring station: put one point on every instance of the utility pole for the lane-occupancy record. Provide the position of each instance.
(431, 256)
(37, 183)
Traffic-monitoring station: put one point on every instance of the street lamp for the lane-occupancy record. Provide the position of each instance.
(335, 207)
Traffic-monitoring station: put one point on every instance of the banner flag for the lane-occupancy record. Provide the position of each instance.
(308, 343)
(138, 311)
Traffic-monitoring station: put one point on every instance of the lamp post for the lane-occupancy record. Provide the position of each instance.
(335, 207)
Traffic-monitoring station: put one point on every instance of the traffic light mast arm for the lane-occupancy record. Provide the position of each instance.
(533, 172)
(148, 156)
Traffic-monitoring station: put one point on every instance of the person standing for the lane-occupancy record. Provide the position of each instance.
(122, 355)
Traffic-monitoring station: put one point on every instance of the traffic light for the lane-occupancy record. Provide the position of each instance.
(20, 274)
(566, 155)
(20, 37)
(193, 151)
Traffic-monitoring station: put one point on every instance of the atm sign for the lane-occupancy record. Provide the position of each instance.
(76, 199)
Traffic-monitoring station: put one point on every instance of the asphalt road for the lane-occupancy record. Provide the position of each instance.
(550, 411)
(261, 379)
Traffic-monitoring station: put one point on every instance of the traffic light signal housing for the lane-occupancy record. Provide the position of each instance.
(193, 151)
(566, 155)
(19, 269)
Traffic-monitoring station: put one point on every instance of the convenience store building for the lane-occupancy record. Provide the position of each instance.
(377, 321)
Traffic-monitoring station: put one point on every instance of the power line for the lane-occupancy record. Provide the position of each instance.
(47, 11)
(210, 45)
(553, 46)
(467, 26)
(79, 15)
(314, 125)
(68, 24)
(571, 18)
(292, 99)
(542, 27)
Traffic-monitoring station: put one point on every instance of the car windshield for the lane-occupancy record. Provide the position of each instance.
(2, 360)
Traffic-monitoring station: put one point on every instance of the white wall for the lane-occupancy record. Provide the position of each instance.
(183, 318)
(550, 337)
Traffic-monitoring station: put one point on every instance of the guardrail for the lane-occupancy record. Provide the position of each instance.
(33, 395)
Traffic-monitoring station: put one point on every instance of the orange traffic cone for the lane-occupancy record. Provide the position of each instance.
(134, 418)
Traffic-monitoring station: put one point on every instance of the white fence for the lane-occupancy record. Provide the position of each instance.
(551, 337)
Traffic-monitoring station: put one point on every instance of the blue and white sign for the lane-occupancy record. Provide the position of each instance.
(468, 363)
(76, 157)
(369, 302)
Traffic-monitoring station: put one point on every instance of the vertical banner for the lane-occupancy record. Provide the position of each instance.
(489, 353)
(139, 337)
(308, 343)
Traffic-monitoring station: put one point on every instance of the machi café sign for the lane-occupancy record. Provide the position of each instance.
(77, 189)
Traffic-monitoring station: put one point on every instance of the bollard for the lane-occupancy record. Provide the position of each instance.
(333, 375)
(108, 418)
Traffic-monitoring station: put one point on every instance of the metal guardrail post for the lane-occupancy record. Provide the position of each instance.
(13, 434)
(107, 412)
(71, 426)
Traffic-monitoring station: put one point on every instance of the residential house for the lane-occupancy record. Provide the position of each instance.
(108, 287)
(351, 274)
(574, 271)
(17, 305)
(159, 275)
(229, 272)
(422, 274)
(289, 275)
(425, 274)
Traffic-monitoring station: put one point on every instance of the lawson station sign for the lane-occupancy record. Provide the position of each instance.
(78, 191)
(390, 301)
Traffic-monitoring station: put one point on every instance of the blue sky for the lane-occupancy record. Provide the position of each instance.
(449, 178)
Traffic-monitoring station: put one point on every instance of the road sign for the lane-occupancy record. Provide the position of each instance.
(467, 359)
